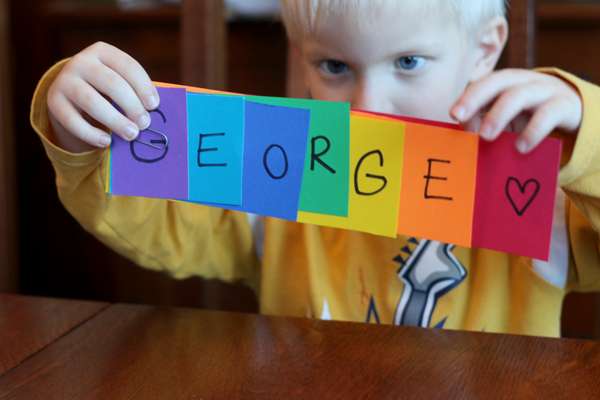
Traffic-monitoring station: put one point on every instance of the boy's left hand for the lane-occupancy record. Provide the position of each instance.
(530, 103)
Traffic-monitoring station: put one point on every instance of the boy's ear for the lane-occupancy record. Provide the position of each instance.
(490, 44)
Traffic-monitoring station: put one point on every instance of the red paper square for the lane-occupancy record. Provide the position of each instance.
(515, 195)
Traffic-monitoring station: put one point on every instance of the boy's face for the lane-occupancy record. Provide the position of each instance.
(399, 63)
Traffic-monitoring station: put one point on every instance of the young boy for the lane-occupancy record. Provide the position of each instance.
(426, 58)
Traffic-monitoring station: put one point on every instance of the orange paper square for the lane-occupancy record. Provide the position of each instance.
(438, 186)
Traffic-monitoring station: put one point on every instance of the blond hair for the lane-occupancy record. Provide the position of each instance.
(302, 17)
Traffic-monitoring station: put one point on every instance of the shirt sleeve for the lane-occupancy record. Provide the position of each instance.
(580, 179)
(180, 238)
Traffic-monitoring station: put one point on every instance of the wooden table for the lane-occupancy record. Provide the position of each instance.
(63, 349)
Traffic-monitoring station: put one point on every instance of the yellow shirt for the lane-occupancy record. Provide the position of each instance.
(304, 270)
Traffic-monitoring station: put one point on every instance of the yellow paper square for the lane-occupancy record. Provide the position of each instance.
(376, 160)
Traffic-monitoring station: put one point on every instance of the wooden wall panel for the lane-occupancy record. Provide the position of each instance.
(8, 228)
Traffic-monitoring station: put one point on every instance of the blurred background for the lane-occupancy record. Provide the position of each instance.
(44, 252)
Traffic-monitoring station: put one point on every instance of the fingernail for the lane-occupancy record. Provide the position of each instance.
(486, 132)
(131, 132)
(459, 113)
(105, 141)
(153, 102)
(144, 121)
(522, 146)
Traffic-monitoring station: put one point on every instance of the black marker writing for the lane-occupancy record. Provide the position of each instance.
(208, 149)
(383, 179)
(314, 156)
(429, 177)
(266, 161)
(160, 142)
(525, 198)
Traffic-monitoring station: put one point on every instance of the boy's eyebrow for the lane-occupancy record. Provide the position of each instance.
(317, 50)
(415, 48)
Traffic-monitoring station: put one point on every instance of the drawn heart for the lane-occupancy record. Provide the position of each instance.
(520, 195)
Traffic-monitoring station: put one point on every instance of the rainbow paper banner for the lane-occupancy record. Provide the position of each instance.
(319, 162)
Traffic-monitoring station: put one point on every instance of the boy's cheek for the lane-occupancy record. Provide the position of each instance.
(321, 90)
(425, 98)
(426, 107)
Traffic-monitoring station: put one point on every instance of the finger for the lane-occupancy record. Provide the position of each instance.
(474, 124)
(118, 90)
(126, 66)
(511, 104)
(542, 123)
(86, 98)
(519, 123)
(479, 94)
(70, 118)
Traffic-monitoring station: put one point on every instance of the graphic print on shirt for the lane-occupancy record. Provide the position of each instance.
(372, 314)
(430, 271)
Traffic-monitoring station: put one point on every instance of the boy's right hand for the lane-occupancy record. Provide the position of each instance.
(79, 100)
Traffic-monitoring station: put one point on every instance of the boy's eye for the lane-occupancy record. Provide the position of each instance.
(409, 63)
(333, 67)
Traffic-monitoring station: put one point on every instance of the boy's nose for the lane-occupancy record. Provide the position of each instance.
(370, 95)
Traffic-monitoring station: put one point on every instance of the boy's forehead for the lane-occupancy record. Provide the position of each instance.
(315, 15)
(382, 34)
(311, 17)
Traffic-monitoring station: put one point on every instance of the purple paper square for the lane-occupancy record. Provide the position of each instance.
(156, 163)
